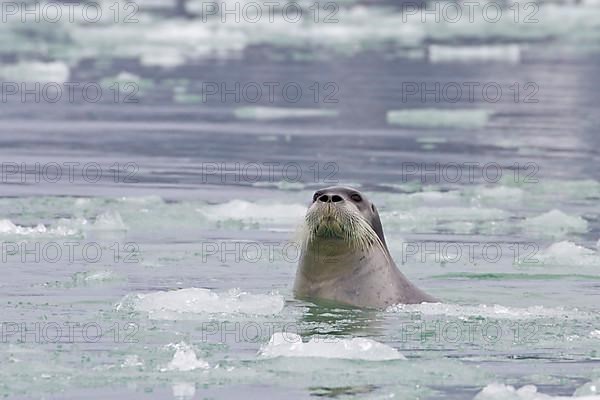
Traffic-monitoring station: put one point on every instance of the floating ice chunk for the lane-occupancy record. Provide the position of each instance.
(500, 391)
(124, 77)
(142, 200)
(432, 198)
(35, 71)
(8, 228)
(568, 253)
(181, 96)
(431, 140)
(291, 345)
(163, 58)
(192, 303)
(555, 223)
(596, 335)
(82, 279)
(88, 277)
(510, 53)
(273, 113)
(127, 81)
(68, 227)
(439, 118)
(241, 210)
(461, 213)
(455, 219)
(185, 359)
(183, 390)
(281, 185)
(572, 189)
(132, 361)
(109, 221)
(499, 193)
(487, 311)
(590, 390)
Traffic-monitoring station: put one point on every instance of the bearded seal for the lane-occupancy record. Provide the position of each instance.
(344, 256)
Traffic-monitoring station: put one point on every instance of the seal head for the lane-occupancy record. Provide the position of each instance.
(345, 258)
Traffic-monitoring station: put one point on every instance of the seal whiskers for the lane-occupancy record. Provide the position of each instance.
(352, 228)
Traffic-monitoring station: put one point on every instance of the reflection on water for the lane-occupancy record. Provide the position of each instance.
(330, 320)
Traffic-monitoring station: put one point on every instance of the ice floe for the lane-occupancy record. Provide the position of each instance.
(109, 221)
(569, 188)
(241, 210)
(35, 71)
(569, 254)
(494, 311)
(508, 53)
(193, 303)
(555, 223)
(290, 345)
(274, 113)
(590, 389)
(500, 391)
(498, 194)
(455, 219)
(95, 276)
(439, 118)
(132, 361)
(185, 359)
(183, 390)
(281, 185)
(8, 228)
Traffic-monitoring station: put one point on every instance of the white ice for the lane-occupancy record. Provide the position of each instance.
(506, 53)
(439, 118)
(185, 359)
(195, 302)
(8, 228)
(569, 253)
(109, 221)
(36, 71)
(500, 391)
(555, 223)
(275, 113)
(494, 311)
(241, 210)
(283, 344)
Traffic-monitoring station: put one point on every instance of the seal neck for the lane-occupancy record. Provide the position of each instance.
(329, 258)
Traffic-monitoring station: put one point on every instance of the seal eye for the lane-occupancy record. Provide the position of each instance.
(356, 197)
(316, 196)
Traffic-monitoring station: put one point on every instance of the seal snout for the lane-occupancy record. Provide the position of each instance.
(326, 198)
(340, 212)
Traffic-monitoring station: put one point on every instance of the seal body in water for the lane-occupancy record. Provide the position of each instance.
(345, 258)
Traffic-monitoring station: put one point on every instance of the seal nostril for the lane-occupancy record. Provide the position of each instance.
(335, 198)
(324, 198)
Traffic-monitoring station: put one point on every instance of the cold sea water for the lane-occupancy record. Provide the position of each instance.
(149, 214)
